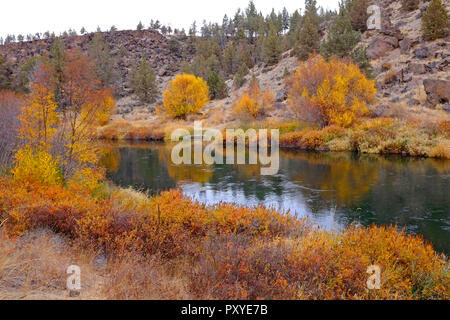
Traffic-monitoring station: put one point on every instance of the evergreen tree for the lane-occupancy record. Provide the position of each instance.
(144, 82)
(22, 78)
(341, 36)
(239, 78)
(57, 61)
(5, 75)
(360, 57)
(217, 87)
(140, 26)
(308, 38)
(106, 64)
(435, 22)
(272, 47)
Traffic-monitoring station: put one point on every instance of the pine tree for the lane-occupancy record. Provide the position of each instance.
(308, 39)
(360, 57)
(272, 47)
(435, 21)
(217, 87)
(106, 64)
(341, 37)
(144, 82)
(239, 78)
(5, 75)
(140, 26)
(57, 61)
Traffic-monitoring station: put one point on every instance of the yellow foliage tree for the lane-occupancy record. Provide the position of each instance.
(37, 131)
(333, 92)
(254, 103)
(38, 117)
(58, 141)
(36, 166)
(185, 94)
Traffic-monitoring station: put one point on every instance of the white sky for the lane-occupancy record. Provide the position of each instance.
(31, 16)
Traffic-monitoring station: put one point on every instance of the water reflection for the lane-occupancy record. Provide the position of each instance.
(333, 189)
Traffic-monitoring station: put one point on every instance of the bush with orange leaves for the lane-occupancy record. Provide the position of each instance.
(322, 265)
(228, 252)
(184, 95)
(254, 103)
(333, 92)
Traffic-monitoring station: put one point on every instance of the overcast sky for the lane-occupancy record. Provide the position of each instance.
(31, 16)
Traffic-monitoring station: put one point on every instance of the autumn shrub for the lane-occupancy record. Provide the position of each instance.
(334, 92)
(36, 167)
(254, 103)
(224, 251)
(184, 95)
(322, 265)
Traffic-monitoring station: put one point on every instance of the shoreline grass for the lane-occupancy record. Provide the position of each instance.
(214, 252)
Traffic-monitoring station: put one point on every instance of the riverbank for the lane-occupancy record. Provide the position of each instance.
(370, 135)
(133, 246)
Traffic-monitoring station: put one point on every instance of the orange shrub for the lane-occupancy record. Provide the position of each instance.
(184, 95)
(254, 103)
(334, 92)
(228, 252)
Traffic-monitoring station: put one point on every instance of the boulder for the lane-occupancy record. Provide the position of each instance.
(417, 68)
(380, 45)
(438, 91)
(405, 45)
(281, 96)
(421, 53)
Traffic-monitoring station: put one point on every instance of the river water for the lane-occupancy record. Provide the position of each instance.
(332, 189)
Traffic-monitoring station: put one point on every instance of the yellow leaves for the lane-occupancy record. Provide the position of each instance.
(246, 105)
(254, 103)
(36, 167)
(185, 94)
(333, 92)
(39, 118)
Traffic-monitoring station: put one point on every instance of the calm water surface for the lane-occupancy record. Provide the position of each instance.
(332, 189)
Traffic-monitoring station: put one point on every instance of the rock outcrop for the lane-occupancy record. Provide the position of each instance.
(128, 46)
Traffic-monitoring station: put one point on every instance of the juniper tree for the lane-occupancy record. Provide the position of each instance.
(144, 82)
(217, 87)
(435, 22)
(239, 78)
(341, 36)
(272, 47)
(308, 39)
(105, 63)
(5, 74)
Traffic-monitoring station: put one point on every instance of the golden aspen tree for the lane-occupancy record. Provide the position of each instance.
(184, 95)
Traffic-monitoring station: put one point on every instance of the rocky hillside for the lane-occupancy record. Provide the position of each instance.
(409, 70)
(164, 53)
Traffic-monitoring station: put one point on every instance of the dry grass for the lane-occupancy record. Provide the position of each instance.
(130, 246)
